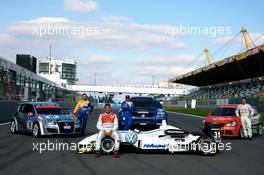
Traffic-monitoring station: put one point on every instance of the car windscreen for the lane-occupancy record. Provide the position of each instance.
(146, 103)
(57, 111)
(224, 112)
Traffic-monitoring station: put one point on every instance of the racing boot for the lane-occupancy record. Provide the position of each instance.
(98, 154)
(116, 154)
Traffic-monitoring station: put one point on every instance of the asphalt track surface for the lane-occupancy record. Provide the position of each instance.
(18, 157)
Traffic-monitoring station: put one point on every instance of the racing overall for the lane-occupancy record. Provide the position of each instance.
(107, 122)
(126, 114)
(245, 112)
(83, 108)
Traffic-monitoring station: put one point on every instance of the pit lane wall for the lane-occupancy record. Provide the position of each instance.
(7, 110)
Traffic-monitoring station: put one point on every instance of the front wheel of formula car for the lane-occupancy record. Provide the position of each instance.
(206, 146)
(260, 130)
(13, 127)
(107, 145)
(36, 130)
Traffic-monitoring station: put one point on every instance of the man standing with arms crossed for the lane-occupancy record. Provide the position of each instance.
(83, 109)
(245, 112)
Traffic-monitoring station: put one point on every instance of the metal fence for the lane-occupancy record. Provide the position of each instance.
(258, 102)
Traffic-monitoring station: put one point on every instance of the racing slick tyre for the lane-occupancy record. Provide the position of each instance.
(13, 127)
(36, 130)
(206, 146)
(260, 130)
(241, 133)
(107, 145)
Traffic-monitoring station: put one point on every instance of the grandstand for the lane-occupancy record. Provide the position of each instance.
(247, 88)
(240, 75)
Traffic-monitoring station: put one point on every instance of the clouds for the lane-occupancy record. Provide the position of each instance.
(171, 60)
(100, 59)
(107, 32)
(121, 31)
(165, 70)
(6, 39)
(117, 35)
(165, 66)
(117, 48)
(81, 6)
(27, 28)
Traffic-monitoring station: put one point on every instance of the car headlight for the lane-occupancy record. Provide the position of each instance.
(50, 122)
(231, 124)
(254, 119)
(161, 114)
(40, 118)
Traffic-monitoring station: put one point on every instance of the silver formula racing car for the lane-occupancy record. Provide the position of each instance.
(168, 138)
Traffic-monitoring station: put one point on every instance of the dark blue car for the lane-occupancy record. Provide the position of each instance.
(146, 111)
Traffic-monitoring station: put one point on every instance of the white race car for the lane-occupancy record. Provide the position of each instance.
(168, 138)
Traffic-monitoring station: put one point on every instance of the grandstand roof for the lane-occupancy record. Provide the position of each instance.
(248, 64)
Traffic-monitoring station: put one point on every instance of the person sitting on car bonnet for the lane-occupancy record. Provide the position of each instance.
(107, 124)
(126, 113)
(245, 112)
(82, 109)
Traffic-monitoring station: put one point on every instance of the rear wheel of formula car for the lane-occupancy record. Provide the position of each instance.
(241, 133)
(36, 130)
(13, 127)
(206, 146)
(107, 145)
(260, 130)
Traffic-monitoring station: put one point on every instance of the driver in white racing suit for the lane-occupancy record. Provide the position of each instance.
(107, 124)
(245, 112)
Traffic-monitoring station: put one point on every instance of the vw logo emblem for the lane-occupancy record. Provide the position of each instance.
(131, 137)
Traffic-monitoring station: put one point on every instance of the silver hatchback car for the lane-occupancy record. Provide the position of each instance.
(43, 118)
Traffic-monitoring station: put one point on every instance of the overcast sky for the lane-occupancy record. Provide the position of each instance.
(127, 42)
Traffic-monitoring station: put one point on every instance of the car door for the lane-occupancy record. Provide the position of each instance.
(27, 116)
(21, 117)
(30, 115)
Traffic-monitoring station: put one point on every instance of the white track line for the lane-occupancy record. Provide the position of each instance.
(6, 123)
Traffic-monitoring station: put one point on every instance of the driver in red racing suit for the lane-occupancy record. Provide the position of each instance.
(107, 124)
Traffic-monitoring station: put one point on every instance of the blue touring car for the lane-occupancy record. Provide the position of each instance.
(146, 111)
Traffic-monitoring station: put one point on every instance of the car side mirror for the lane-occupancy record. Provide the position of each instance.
(30, 113)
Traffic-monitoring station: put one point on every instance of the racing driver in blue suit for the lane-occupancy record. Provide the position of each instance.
(125, 114)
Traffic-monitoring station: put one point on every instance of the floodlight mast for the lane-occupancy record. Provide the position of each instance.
(244, 33)
(208, 57)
